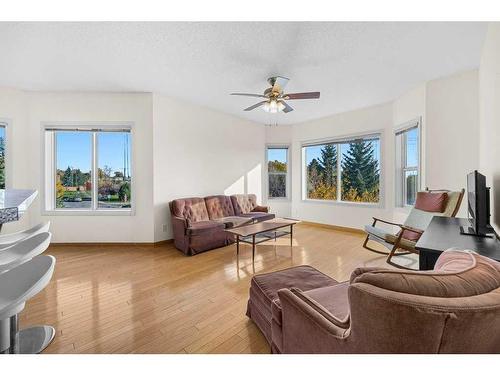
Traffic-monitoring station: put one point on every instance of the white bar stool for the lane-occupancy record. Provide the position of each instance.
(10, 260)
(22, 251)
(10, 239)
(16, 287)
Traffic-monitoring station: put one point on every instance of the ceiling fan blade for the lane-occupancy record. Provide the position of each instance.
(302, 95)
(287, 107)
(280, 83)
(255, 106)
(252, 95)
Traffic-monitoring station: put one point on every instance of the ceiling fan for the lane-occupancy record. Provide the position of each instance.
(275, 97)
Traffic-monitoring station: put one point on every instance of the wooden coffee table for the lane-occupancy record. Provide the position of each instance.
(260, 232)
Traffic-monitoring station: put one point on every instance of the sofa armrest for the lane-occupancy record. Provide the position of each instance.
(342, 323)
(179, 225)
(260, 209)
(308, 329)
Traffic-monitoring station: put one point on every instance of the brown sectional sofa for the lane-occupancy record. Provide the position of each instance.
(198, 223)
(453, 309)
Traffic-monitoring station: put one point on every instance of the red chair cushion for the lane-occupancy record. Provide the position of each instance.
(431, 202)
(412, 236)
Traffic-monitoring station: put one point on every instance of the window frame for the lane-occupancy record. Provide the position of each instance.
(288, 171)
(401, 158)
(338, 141)
(48, 167)
(6, 124)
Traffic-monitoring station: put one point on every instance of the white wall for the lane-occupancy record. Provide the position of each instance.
(200, 152)
(95, 107)
(13, 110)
(452, 131)
(410, 105)
(489, 95)
(372, 119)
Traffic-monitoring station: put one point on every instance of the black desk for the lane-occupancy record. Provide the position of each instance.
(443, 233)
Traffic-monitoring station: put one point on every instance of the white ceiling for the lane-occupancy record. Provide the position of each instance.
(353, 64)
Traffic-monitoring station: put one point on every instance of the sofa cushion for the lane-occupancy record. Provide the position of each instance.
(457, 274)
(302, 277)
(258, 216)
(388, 237)
(332, 298)
(264, 287)
(411, 236)
(234, 221)
(264, 290)
(191, 209)
(431, 202)
(219, 206)
(204, 227)
(419, 219)
(243, 203)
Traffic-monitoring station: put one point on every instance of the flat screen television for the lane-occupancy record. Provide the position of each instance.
(478, 205)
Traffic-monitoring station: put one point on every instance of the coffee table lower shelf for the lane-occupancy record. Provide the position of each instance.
(261, 232)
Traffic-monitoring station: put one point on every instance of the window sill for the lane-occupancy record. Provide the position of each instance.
(344, 203)
(110, 212)
(284, 200)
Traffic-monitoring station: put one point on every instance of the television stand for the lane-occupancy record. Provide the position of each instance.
(469, 231)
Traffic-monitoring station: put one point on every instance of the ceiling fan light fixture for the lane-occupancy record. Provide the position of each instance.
(281, 106)
(273, 106)
(275, 99)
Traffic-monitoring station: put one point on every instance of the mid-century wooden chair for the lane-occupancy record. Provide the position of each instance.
(403, 242)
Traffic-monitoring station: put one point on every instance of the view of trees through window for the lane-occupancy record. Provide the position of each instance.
(411, 166)
(2, 156)
(277, 165)
(74, 175)
(358, 170)
(113, 169)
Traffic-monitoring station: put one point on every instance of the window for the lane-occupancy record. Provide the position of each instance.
(88, 169)
(346, 170)
(113, 176)
(408, 163)
(277, 170)
(2, 155)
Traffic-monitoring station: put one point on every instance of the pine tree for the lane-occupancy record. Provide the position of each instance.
(313, 175)
(328, 164)
(67, 179)
(2, 163)
(360, 173)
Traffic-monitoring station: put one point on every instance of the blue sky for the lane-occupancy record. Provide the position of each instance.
(75, 149)
(411, 148)
(276, 154)
(314, 152)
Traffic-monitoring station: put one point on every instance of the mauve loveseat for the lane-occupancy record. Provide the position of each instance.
(198, 223)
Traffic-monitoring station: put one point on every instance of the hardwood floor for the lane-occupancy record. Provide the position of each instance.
(144, 299)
